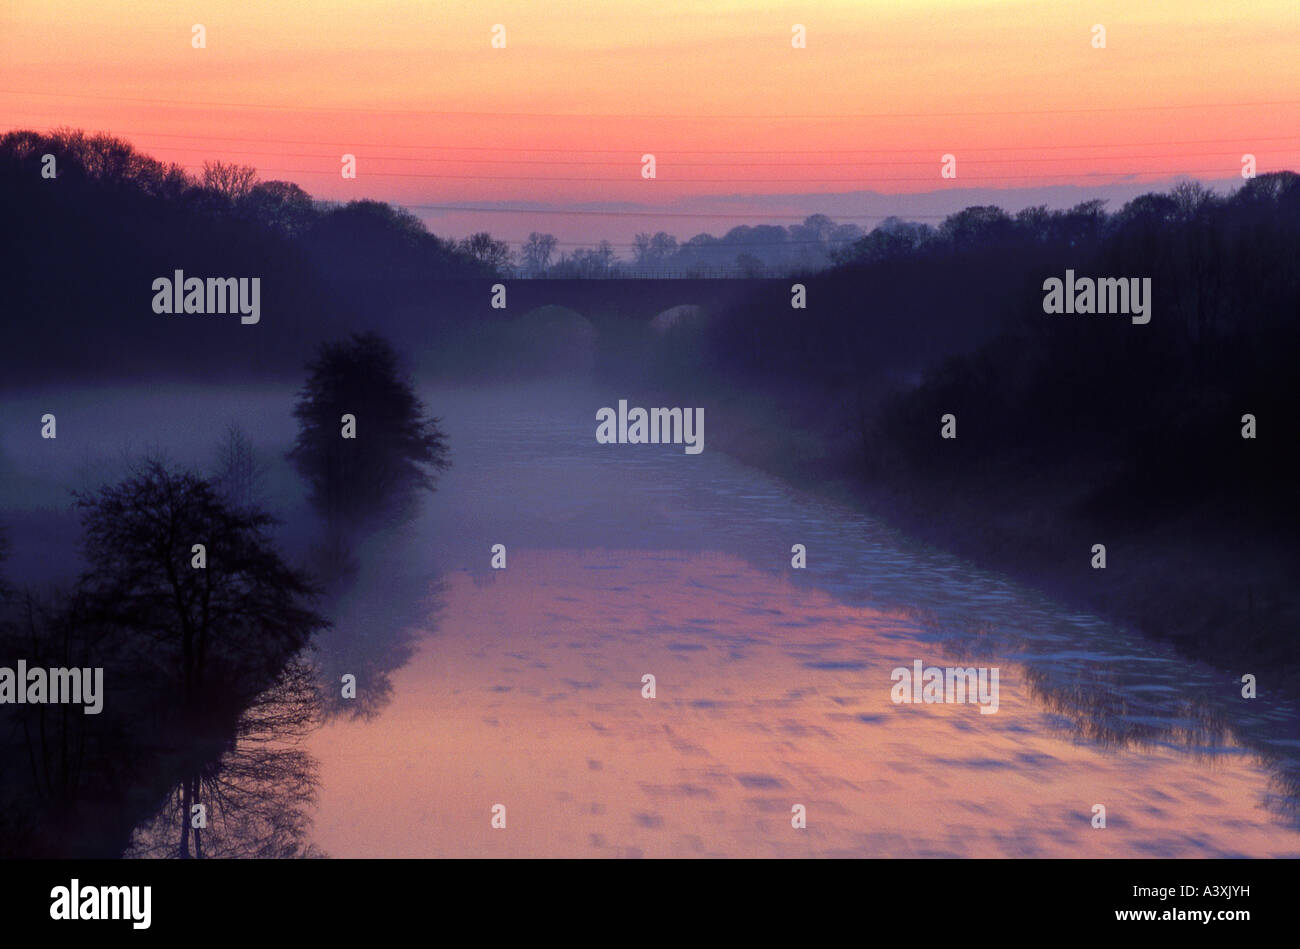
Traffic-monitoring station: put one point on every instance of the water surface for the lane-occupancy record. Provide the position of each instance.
(522, 686)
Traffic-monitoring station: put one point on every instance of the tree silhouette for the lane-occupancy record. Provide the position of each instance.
(220, 633)
(187, 649)
(537, 252)
(240, 473)
(57, 740)
(234, 181)
(483, 247)
(257, 796)
(280, 205)
(396, 450)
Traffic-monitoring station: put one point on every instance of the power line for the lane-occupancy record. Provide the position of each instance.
(632, 179)
(652, 116)
(1247, 140)
(676, 164)
(676, 214)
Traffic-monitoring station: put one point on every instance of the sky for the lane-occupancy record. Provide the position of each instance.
(744, 127)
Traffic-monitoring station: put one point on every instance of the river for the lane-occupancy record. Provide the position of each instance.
(523, 687)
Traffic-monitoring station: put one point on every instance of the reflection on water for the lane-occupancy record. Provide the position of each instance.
(256, 799)
(768, 695)
(773, 685)
(373, 635)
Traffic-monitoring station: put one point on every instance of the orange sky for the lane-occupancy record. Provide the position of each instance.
(1014, 89)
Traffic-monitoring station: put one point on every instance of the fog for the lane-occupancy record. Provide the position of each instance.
(522, 685)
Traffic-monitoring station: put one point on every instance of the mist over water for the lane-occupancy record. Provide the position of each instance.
(523, 686)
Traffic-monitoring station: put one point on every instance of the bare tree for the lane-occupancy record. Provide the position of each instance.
(537, 251)
(255, 800)
(215, 633)
(239, 471)
(482, 247)
(234, 181)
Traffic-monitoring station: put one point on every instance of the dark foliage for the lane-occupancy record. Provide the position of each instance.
(220, 633)
(397, 451)
(90, 242)
(185, 652)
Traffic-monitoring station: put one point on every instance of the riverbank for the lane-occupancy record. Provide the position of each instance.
(1217, 595)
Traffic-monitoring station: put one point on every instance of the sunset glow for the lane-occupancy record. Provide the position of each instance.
(563, 114)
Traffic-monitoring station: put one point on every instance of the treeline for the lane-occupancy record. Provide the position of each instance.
(84, 247)
(1071, 430)
(908, 293)
(103, 221)
(764, 250)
